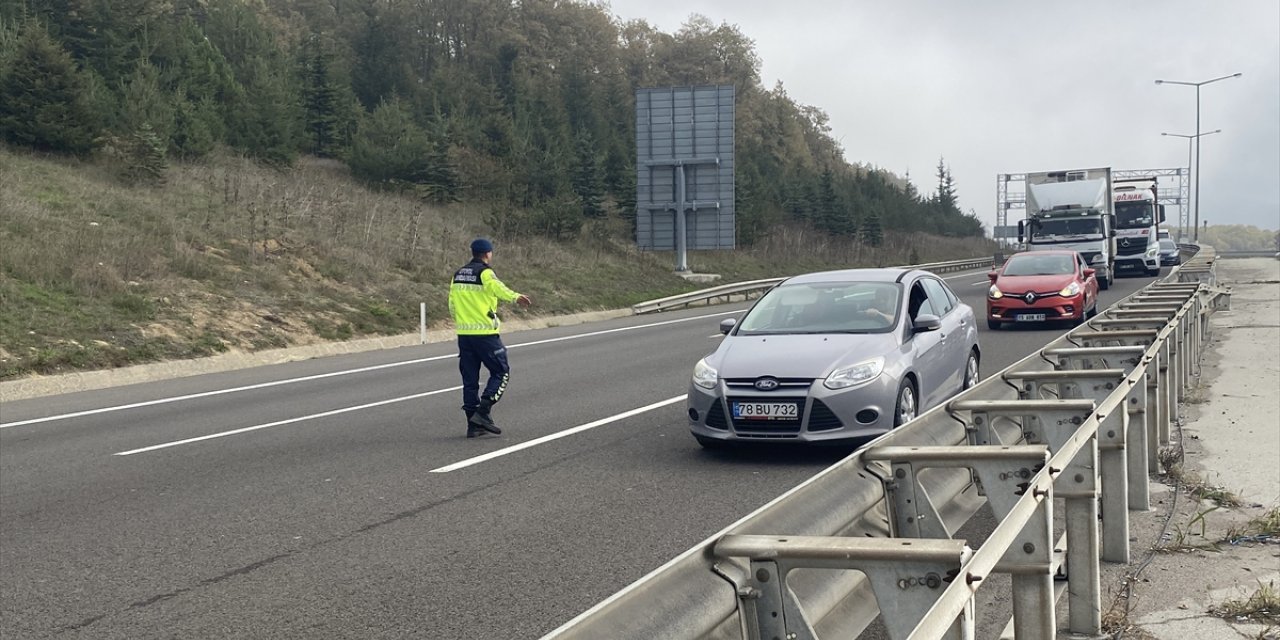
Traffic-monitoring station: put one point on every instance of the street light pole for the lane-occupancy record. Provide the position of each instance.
(1182, 224)
(1197, 85)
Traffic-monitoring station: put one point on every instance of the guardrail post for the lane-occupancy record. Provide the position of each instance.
(1137, 443)
(1078, 485)
(1097, 385)
(1171, 382)
(1034, 607)
(1158, 402)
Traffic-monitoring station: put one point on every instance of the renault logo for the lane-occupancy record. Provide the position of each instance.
(766, 384)
(1030, 297)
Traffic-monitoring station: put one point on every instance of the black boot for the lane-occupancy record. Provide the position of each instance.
(472, 430)
(482, 419)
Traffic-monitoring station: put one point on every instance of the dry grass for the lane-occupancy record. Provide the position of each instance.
(1262, 606)
(1265, 527)
(231, 255)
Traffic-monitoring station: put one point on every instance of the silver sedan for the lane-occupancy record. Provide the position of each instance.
(834, 356)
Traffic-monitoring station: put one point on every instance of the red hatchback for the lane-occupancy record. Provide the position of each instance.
(1042, 286)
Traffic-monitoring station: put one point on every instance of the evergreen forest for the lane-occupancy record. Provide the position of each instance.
(525, 106)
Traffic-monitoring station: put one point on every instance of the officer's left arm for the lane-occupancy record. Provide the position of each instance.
(495, 287)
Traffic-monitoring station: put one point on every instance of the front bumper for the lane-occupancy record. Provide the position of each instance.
(1137, 263)
(1011, 308)
(826, 415)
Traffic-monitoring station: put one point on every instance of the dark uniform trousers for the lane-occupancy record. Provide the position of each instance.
(474, 351)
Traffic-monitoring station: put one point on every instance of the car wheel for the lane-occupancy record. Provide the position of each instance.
(1104, 283)
(993, 325)
(971, 371)
(1153, 272)
(904, 410)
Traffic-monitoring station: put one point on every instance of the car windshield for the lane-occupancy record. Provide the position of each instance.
(1033, 265)
(1167, 245)
(825, 307)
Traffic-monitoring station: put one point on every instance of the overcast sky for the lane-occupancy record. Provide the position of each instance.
(1011, 87)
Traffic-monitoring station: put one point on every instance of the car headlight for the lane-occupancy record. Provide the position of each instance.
(1151, 253)
(704, 376)
(995, 293)
(1070, 290)
(854, 375)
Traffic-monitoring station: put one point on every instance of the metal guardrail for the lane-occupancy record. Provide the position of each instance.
(746, 289)
(1082, 419)
(1258, 253)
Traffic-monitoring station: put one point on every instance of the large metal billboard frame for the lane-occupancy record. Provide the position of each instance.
(685, 169)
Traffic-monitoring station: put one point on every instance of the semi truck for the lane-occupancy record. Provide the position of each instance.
(1073, 209)
(1138, 218)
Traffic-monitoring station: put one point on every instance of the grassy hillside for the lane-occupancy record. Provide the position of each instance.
(231, 255)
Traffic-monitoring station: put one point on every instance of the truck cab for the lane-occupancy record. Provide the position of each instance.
(1138, 218)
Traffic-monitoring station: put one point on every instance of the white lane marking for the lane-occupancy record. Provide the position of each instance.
(979, 284)
(555, 436)
(263, 385)
(313, 416)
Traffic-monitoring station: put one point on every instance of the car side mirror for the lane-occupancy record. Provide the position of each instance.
(727, 325)
(1088, 273)
(993, 275)
(926, 322)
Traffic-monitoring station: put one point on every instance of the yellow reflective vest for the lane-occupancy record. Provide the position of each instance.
(473, 299)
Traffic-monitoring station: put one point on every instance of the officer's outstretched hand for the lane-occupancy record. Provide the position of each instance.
(524, 300)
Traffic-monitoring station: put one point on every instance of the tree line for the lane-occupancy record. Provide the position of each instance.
(525, 105)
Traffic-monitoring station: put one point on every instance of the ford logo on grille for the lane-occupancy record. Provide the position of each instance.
(766, 384)
(1030, 297)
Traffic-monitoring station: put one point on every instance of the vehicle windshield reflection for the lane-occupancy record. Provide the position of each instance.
(1031, 265)
(825, 307)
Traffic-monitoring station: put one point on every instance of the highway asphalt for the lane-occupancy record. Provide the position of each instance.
(338, 498)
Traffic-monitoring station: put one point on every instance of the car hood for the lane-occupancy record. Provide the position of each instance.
(1023, 284)
(797, 356)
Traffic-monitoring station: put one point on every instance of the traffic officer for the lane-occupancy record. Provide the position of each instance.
(473, 302)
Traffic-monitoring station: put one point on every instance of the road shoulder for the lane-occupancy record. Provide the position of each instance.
(1192, 556)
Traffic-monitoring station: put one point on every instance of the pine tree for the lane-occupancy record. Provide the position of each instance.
(196, 126)
(833, 215)
(321, 100)
(946, 197)
(144, 157)
(43, 98)
(587, 182)
(144, 103)
(440, 175)
(264, 124)
(872, 232)
(390, 147)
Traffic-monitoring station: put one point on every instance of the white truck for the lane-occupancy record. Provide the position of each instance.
(1073, 210)
(1138, 218)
